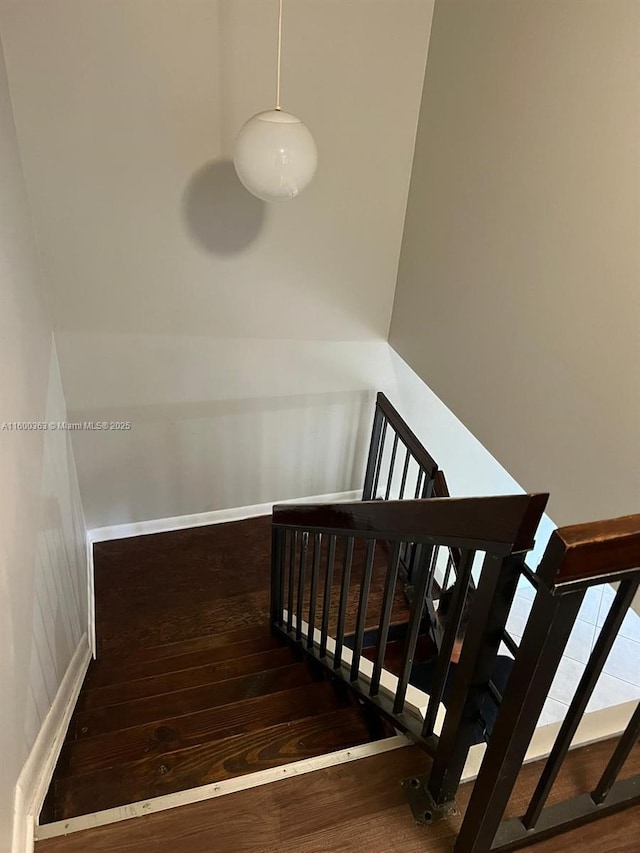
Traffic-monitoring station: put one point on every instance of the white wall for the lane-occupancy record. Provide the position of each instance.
(518, 297)
(469, 467)
(237, 337)
(43, 607)
(219, 423)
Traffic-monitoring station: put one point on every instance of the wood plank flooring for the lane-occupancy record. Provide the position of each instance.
(190, 687)
(211, 761)
(159, 589)
(102, 751)
(351, 807)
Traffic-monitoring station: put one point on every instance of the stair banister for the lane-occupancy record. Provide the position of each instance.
(501, 529)
(576, 558)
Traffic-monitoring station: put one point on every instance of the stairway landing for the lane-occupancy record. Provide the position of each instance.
(190, 688)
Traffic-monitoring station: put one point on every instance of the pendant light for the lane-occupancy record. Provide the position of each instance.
(275, 154)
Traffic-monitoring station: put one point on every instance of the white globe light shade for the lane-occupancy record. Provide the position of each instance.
(275, 155)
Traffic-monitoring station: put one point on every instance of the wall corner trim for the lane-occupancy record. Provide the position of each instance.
(37, 772)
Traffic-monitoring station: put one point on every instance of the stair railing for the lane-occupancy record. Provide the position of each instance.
(316, 589)
(398, 468)
(576, 559)
(398, 465)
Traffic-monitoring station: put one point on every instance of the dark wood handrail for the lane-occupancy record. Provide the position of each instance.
(407, 435)
(596, 551)
(440, 485)
(497, 524)
(441, 490)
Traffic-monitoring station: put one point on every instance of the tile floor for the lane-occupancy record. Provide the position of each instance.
(620, 680)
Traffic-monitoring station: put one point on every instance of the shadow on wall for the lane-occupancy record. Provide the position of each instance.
(220, 215)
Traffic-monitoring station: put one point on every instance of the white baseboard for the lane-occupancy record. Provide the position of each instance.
(202, 519)
(36, 774)
(91, 599)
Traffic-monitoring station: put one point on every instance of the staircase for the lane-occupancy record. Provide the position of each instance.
(153, 720)
(250, 649)
(191, 713)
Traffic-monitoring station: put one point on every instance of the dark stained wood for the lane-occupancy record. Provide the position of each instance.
(401, 608)
(395, 652)
(352, 807)
(592, 550)
(440, 485)
(210, 762)
(98, 753)
(156, 708)
(190, 685)
(184, 585)
(169, 682)
(189, 590)
(502, 524)
(217, 640)
(186, 660)
(114, 671)
(399, 425)
(441, 490)
(180, 603)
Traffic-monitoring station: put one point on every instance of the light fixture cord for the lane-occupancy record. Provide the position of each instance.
(279, 54)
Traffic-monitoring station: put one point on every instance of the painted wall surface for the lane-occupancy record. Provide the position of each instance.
(518, 296)
(217, 424)
(238, 337)
(43, 605)
(469, 467)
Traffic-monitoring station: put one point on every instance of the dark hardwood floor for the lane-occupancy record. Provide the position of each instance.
(190, 687)
(351, 807)
(168, 587)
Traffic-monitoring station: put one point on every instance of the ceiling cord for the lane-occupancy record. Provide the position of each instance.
(279, 54)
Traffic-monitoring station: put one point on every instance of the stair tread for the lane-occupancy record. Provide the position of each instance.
(169, 682)
(172, 611)
(396, 650)
(108, 671)
(107, 750)
(210, 762)
(194, 644)
(151, 709)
